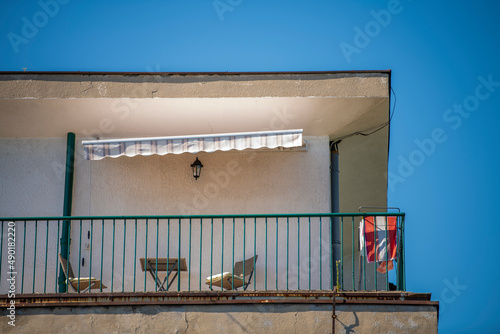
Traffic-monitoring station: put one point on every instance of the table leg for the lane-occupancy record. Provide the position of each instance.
(155, 277)
(168, 275)
(172, 281)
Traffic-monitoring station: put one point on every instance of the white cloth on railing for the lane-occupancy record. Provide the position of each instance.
(378, 240)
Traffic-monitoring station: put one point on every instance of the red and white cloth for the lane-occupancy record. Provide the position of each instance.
(378, 240)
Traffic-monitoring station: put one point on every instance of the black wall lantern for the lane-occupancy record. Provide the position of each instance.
(196, 165)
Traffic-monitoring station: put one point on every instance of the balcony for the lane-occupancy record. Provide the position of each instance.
(229, 270)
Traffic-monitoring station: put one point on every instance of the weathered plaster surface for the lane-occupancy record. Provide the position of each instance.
(250, 318)
(175, 85)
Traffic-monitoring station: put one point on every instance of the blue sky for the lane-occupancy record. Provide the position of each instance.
(445, 73)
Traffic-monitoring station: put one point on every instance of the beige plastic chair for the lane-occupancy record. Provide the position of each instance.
(226, 279)
(86, 283)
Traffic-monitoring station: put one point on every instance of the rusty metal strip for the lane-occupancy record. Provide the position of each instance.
(243, 294)
(115, 302)
(220, 297)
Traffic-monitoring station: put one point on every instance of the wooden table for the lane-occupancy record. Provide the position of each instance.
(155, 265)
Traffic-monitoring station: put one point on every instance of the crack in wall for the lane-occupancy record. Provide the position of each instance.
(88, 88)
(185, 319)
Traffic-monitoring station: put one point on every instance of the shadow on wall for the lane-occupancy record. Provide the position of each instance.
(349, 328)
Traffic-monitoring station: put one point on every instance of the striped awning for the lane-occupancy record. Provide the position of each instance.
(130, 147)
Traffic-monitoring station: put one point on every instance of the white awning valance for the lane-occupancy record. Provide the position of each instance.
(130, 147)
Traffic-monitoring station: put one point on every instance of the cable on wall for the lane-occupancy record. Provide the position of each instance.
(335, 142)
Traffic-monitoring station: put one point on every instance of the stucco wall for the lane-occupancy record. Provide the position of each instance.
(188, 85)
(250, 318)
(363, 164)
(32, 176)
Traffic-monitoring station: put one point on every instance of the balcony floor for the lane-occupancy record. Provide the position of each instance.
(218, 297)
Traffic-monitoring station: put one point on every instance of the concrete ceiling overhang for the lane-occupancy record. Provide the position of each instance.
(115, 105)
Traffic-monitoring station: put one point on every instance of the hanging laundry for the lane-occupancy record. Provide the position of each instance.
(379, 246)
(385, 266)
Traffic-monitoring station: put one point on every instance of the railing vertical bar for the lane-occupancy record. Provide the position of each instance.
(79, 255)
(401, 262)
(135, 252)
(179, 256)
(387, 249)
(244, 240)
(146, 254)
(222, 253)
(46, 256)
(352, 255)
(320, 254)
(34, 255)
(376, 250)
(156, 257)
(189, 255)
(265, 269)
(201, 248)
(102, 251)
(342, 252)
(24, 257)
(398, 252)
(254, 249)
(309, 237)
(232, 270)
(287, 248)
(276, 259)
(113, 256)
(69, 251)
(403, 252)
(91, 246)
(168, 241)
(332, 268)
(123, 257)
(211, 249)
(57, 256)
(1, 246)
(298, 253)
(365, 258)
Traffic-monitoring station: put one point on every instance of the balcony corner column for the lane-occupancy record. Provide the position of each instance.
(335, 204)
(67, 206)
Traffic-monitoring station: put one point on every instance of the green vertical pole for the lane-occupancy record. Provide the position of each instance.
(309, 234)
(201, 248)
(265, 270)
(320, 254)
(46, 256)
(287, 248)
(232, 272)
(298, 253)
(189, 256)
(68, 203)
(254, 248)
(211, 249)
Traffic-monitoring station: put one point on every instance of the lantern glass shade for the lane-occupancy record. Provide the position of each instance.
(196, 166)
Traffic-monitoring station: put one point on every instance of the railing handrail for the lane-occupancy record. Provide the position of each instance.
(279, 215)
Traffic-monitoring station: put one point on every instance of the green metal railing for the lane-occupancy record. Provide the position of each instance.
(295, 252)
